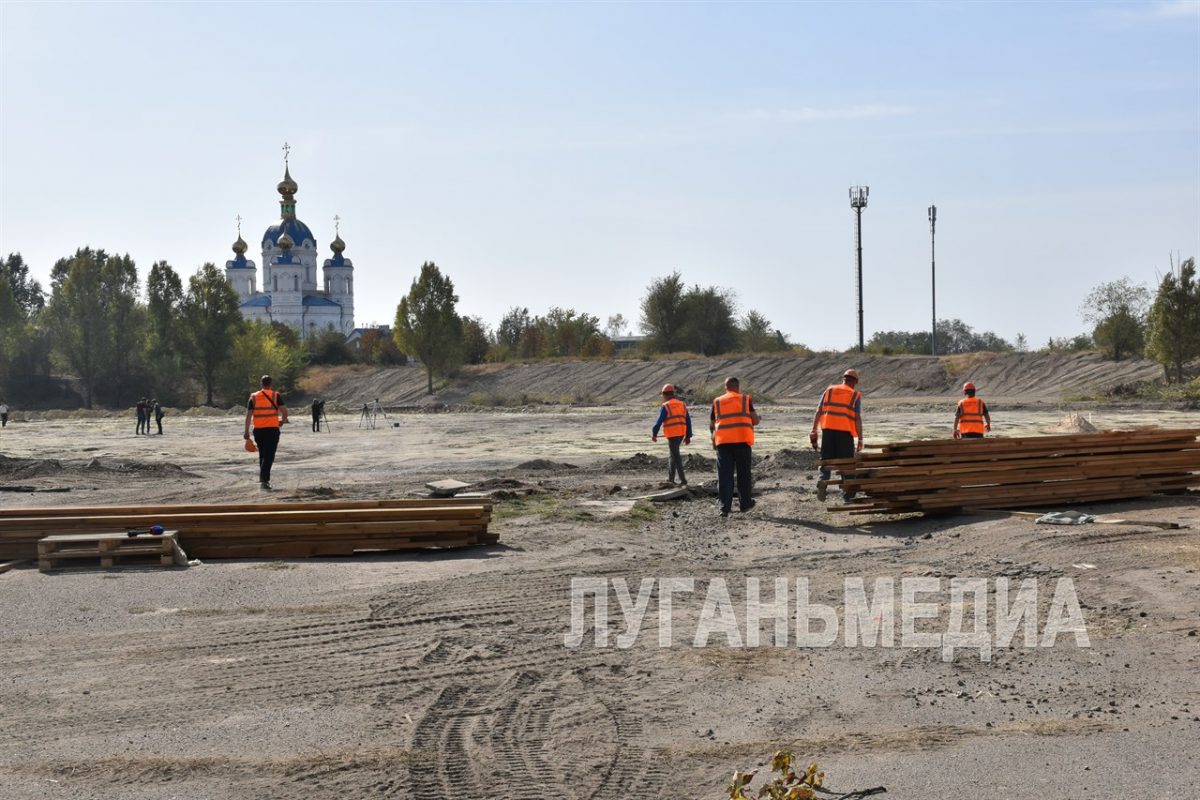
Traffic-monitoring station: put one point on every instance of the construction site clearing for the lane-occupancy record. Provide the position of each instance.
(390, 621)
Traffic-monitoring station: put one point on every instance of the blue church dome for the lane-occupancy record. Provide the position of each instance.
(296, 229)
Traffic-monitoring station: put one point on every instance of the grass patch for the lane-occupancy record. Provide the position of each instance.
(643, 511)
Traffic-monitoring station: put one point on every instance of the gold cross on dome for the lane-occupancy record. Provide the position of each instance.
(287, 148)
(337, 225)
(239, 222)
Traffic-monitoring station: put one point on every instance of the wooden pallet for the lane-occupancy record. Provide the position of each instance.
(109, 549)
(948, 474)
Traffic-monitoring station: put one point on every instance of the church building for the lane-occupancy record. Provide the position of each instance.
(289, 292)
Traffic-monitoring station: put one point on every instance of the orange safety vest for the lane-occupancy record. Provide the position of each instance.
(675, 425)
(837, 411)
(733, 423)
(266, 408)
(970, 415)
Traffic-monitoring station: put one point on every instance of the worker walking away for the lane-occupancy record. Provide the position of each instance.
(267, 412)
(159, 413)
(971, 418)
(732, 422)
(839, 418)
(676, 425)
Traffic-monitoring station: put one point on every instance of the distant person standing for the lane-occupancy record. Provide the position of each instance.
(158, 415)
(839, 418)
(732, 422)
(267, 412)
(676, 425)
(143, 425)
(318, 407)
(3, 414)
(971, 418)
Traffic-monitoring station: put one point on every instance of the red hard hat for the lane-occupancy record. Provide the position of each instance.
(850, 373)
(250, 448)
(668, 388)
(968, 387)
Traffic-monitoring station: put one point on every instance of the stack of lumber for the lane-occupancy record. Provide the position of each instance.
(941, 475)
(267, 530)
(109, 549)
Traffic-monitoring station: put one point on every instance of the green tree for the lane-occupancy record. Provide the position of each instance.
(755, 335)
(328, 347)
(257, 349)
(663, 314)
(210, 310)
(92, 315)
(375, 348)
(477, 339)
(709, 327)
(1173, 324)
(24, 290)
(1117, 310)
(427, 324)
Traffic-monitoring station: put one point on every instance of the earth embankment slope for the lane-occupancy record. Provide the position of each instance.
(1031, 377)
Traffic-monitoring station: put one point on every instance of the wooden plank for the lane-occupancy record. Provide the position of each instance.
(200, 508)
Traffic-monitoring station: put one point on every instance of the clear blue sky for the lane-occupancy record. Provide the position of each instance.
(566, 154)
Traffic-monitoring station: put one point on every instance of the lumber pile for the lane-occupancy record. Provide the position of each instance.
(267, 530)
(942, 475)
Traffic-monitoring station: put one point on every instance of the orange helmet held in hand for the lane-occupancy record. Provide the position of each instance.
(250, 448)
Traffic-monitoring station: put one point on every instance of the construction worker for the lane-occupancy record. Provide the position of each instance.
(676, 424)
(267, 411)
(731, 423)
(971, 418)
(839, 418)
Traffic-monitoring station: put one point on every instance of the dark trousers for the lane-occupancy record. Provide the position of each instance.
(267, 440)
(158, 422)
(835, 444)
(141, 422)
(971, 435)
(676, 460)
(731, 458)
(316, 423)
(4, 420)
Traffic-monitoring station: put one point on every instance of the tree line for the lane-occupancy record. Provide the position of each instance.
(181, 343)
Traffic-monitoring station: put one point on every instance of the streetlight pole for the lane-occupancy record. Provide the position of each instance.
(858, 201)
(933, 278)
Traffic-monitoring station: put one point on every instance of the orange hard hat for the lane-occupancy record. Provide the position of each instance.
(850, 373)
(250, 448)
(668, 388)
(968, 387)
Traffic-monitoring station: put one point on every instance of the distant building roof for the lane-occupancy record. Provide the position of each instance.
(318, 300)
(258, 301)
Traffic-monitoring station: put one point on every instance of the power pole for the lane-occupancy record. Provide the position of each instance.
(933, 277)
(858, 201)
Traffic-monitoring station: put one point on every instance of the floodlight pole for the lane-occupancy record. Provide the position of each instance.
(858, 201)
(933, 279)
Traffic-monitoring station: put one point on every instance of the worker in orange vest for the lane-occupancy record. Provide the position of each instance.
(971, 418)
(676, 425)
(267, 412)
(839, 418)
(732, 422)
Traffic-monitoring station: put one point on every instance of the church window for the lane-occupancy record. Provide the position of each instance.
(275, 283)
(295, 283)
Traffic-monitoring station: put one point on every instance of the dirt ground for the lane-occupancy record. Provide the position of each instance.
(446, 675)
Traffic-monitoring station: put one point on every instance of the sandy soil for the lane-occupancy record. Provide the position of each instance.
(1027, 377)
(446, 675)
